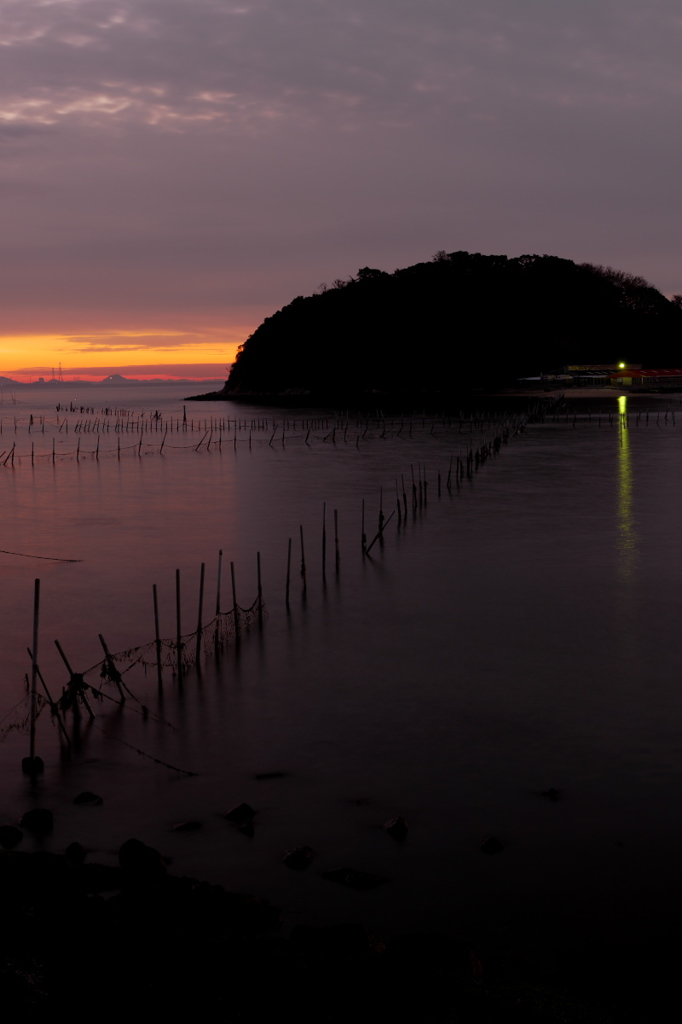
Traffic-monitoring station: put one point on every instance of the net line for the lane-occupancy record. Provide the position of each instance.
(224, 628)
(184, 653)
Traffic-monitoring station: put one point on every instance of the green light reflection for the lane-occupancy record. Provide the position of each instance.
(627, 535)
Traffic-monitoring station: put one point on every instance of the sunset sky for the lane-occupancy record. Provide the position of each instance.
(172, 171)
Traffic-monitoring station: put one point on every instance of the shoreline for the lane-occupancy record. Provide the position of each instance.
(176, 943)
(432, 402)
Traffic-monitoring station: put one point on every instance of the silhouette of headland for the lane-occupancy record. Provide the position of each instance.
(459, 324)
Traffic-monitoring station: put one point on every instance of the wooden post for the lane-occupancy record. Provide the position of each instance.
(202, 574)
(303, 576)
(157, 638)
(54, 708)
(324, 540)
(288, 574)
(119, 682)
(380, 532)
(178, 624)
(220, 574)
(336, 540)
(33, 764)
(363, 536)
(73, 675)
(235, 606)
(260, 590)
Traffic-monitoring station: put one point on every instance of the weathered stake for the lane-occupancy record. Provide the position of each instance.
(363, 535)
(260, 590)
(54, 708)
(201, 612)
(303, 576)
(324, 540)
(157, 638)
(235, 606)
(286, 593)
(32, 764)
(178, 625)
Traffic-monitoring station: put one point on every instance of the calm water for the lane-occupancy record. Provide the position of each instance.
(518, 633)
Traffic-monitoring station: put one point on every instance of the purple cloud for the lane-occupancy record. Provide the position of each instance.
(202, 158)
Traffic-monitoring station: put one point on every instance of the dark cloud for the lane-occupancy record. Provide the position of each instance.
(204, 156)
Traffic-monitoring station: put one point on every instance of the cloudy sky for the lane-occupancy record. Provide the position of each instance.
(172, 171)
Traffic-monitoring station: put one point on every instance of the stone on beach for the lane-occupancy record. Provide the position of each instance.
(75, 854)
(141, 863)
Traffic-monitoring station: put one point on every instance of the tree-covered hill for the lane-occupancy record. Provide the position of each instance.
(461, 321)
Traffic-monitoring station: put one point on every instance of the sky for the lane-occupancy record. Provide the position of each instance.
(173, 171)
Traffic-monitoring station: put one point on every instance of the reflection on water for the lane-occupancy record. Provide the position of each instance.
(485, 653)
(627, 535)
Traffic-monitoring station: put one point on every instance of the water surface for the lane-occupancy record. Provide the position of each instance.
(516, 633)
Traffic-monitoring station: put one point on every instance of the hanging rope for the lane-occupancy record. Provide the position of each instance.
(46, 558)
(142, 753)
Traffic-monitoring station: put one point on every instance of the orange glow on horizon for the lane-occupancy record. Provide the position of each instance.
(144, 353)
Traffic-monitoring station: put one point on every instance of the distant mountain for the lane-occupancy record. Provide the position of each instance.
(462, 321)
(114, 380)
(117, 380)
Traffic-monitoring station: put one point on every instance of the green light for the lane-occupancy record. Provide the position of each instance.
(621, 366)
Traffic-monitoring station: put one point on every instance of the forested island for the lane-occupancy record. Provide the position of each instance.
(462, 322)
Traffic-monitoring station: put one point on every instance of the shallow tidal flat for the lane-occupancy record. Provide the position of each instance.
(512, 636)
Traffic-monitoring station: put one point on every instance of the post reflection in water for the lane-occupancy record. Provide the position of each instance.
(627, 535)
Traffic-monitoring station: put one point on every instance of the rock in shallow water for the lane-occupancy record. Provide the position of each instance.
(87, 799)
(491, 845)
(299, 859)
(396, 827)
(240, 814)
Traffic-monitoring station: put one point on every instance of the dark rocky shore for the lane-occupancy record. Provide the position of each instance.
(136, 938)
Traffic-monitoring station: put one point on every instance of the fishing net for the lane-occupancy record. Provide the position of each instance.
(225, 628)
(169, 652)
